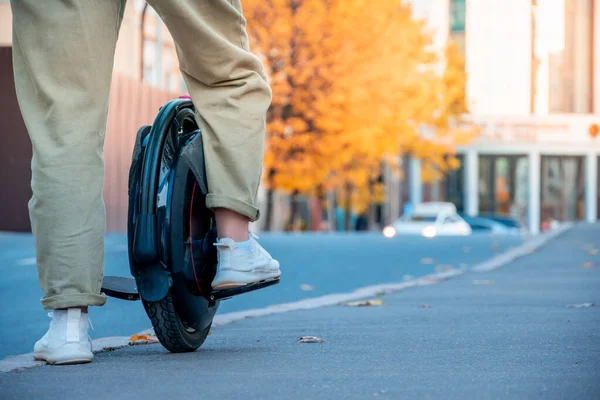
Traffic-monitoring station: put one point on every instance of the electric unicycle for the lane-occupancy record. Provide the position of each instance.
(171, 233)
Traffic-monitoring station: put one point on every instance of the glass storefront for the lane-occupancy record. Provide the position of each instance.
(503, 186)
(453, 185)
(562, 188)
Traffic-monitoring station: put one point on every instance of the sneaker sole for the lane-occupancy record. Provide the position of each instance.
(235, 279)
(65, 355)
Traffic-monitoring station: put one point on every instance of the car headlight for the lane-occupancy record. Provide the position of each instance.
(389, 231)
(429, 231)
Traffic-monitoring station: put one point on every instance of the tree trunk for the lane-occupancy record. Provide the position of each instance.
(269, 216)
(371, 210)
(293, 211)
(347, 206)
(316, 209)
(331, 218)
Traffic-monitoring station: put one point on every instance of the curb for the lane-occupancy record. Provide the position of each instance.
(25, 361)
(526, 248)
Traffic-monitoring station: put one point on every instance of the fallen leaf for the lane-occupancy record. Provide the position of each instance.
(426, 260)
(142, 339)
(588, 264)
(310, 339)
(364, 303)
(482, 281)
(582, 305)
(381, 293)
(593, 252)
(306, 288)
(424, 306)
(530, 251)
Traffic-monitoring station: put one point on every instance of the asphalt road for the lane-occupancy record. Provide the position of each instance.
(329, 263)
(504, 334)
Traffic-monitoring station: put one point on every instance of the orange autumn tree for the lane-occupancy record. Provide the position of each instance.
(354, 83)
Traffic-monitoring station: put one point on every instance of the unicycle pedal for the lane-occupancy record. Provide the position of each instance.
(120, 288)
(225, 294)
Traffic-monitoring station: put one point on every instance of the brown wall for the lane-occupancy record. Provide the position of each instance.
(15, 153)
(132, 104)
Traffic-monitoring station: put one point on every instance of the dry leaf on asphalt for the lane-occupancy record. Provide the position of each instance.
(424, 306)
(364, 303)
(142, 339)
(482, 281)
(310, 339)
(588, 264)
(582, 305)
(426, 260)
(306, 288)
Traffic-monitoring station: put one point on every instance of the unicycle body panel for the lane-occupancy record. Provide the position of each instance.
(160, 224)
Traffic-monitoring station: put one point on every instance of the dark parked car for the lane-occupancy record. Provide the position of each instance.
(493, 223)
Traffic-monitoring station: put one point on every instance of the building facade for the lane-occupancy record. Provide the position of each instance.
(534, 88)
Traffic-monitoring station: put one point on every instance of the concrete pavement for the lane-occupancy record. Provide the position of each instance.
(507, 333)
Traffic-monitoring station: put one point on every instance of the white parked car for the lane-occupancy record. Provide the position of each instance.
(430, 220)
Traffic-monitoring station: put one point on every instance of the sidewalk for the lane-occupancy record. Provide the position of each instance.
(507, 333)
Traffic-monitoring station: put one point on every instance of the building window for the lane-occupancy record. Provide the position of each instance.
(457, 15)
(563, 56)
(563, 189)
(453, 186)
(503, 185)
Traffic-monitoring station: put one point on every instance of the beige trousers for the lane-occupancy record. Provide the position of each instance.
(63, 59)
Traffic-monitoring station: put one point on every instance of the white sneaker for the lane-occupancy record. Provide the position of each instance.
(67, 340)
(239, 267)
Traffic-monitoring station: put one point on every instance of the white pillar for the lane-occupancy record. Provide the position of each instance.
(416, 189)
(158, 52)
(591, 187)
(533, 209)
(393, 194)
(471, 174)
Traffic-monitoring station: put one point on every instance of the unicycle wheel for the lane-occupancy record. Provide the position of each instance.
(170, 331)
(181, 321)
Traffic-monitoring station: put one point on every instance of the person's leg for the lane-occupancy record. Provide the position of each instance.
(63, 56)
(229, 89)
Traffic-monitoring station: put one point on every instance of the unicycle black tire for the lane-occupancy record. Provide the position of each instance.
(168, 329)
